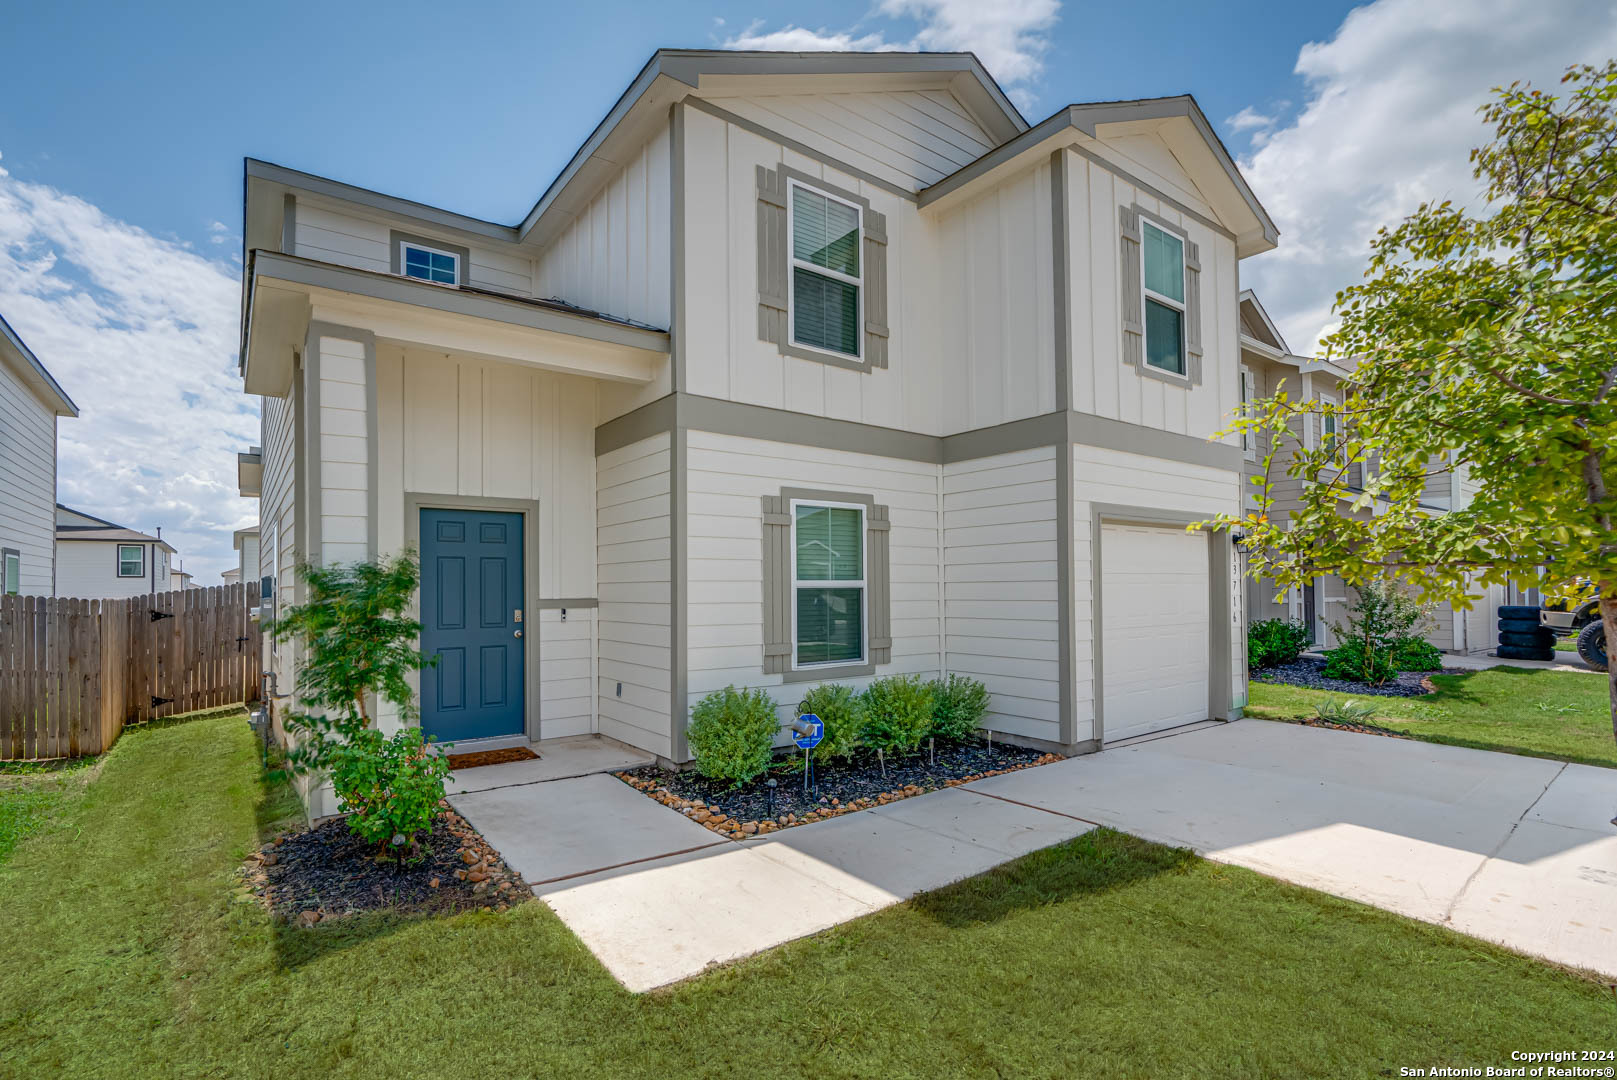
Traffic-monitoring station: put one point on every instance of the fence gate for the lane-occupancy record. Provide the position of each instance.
(74, 672)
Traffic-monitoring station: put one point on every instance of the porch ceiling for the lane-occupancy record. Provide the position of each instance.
(287, 292)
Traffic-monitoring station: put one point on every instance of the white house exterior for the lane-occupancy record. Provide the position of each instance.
(100, 559)
(30, 403)
(808, 368)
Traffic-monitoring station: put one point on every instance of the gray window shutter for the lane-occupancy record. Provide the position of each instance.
(1193, 311)
(1133, 297)
(875, 289)
(772, 260)
(879, 583)
(777, 529)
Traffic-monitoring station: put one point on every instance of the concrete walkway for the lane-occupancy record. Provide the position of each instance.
(1516, 850)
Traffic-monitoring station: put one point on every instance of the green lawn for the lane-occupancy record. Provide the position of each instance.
(1556, 714)
(129, 951)
(29, 794)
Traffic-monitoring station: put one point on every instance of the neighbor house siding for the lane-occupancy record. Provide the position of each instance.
(727, 478)
(88, 569)
(1123, 479)
(633, 501)
(351, 239)
(1000, 587)
(27, 482)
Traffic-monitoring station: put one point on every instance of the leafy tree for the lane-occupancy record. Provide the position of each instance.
(1486, 341)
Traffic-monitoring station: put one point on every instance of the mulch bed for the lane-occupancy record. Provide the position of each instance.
(327, 872)
(492, 757)
(1310, 674)
(840, 787)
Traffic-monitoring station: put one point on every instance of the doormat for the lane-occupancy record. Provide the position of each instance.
(491, 757)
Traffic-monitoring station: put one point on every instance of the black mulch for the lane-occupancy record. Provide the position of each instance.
(330, 872)
(860, 777)
(1310, 673)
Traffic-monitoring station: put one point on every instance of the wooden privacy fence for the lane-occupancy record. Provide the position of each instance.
(74, 672)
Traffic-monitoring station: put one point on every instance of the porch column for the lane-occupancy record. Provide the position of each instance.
(343, 450)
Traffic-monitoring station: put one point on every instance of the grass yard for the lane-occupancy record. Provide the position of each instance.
(1564, 715)
(30, 793)
(131, 951)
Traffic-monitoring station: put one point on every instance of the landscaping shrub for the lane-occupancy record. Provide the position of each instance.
(898, 713)
(1345, 712)
(1271, 642)
(390, 788)
(958, 706)
(1379, 619)
(732, 734)
(1414, 653)
(842, 712)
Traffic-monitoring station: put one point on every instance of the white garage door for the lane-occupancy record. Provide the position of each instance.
(1155, 627)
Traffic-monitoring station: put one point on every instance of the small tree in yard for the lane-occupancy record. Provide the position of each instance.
(1487, 342)
(360, 647)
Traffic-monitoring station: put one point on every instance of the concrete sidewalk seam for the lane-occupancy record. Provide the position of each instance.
(1454, 904)
(1033, 806)
(618, 866)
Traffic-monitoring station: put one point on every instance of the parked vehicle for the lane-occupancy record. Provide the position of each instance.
(1584, 619)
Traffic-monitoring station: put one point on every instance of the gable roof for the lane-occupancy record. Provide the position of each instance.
(105, 530)
(1179, 116)
(41, 381)
(669, 76)
(1253, 312)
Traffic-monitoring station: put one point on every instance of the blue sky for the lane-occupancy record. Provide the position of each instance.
(122, 141)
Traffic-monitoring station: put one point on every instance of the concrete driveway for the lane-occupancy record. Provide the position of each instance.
(1516, 850)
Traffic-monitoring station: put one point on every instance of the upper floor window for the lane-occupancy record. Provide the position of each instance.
(131, 560)
(828, 587)
(826, 283)
(12, 572)
(1164, 269)
(429, 264)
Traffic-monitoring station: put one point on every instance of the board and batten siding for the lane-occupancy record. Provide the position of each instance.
(724, 355)
(1101, 382)
(633, 504)
(1114, 477)
(909, 138)
(28, 482)
(727, 477)
(1000, 587)
(996, 308)
(614, 255)
(347, 238)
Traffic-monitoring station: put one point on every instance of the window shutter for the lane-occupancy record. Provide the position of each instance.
(878, 582)
(875, 289)
(1133, 298)
(777, 530)
(1193, 311)
(772, 258)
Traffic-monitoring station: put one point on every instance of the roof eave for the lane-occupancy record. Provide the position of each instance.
(41, 381)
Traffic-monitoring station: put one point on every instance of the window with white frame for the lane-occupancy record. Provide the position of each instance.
(429, 264)
(828, 586)
(12, 571)
(1163, 267)
(827, 286)
(131, 560)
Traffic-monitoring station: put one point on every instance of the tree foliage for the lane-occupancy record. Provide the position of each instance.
(1483, 340)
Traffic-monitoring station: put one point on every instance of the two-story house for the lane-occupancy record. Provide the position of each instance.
(807, 368)
(31, 402)
(99, 558)
(1268, 366)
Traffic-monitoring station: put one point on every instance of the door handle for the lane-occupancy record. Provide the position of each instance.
(516, 633)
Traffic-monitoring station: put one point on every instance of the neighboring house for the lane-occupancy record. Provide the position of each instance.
(231, 576)
(245, 541)
(179, 580)
(1267, 366)
(97, 558)
(30, 403)
(807, 368)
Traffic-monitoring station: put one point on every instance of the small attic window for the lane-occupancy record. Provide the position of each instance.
(429, 264)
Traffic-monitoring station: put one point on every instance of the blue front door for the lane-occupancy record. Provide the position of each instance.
(471, 599)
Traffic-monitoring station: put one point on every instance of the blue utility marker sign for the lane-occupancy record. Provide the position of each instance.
(808, 731)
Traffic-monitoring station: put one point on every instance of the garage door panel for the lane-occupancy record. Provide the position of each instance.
(1156, 621)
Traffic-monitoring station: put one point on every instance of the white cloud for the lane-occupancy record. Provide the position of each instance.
(1248, 119)
(1389, 122)
(1009, 36)
(142, 333)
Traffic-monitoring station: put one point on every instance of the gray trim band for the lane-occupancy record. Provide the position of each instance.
(512, 312)
(703, 105)
(801, 429)
(676, 247)
(1061, 256)
(678, 590)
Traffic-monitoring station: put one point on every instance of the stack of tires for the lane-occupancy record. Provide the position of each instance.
(1520, 635)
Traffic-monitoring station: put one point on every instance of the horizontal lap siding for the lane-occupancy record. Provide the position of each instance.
(349, 239)
(344, 453)
(727, 477)
(1000, 587)
(566, 672)
(27, 482)
(634, 547)
(1134, 480)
